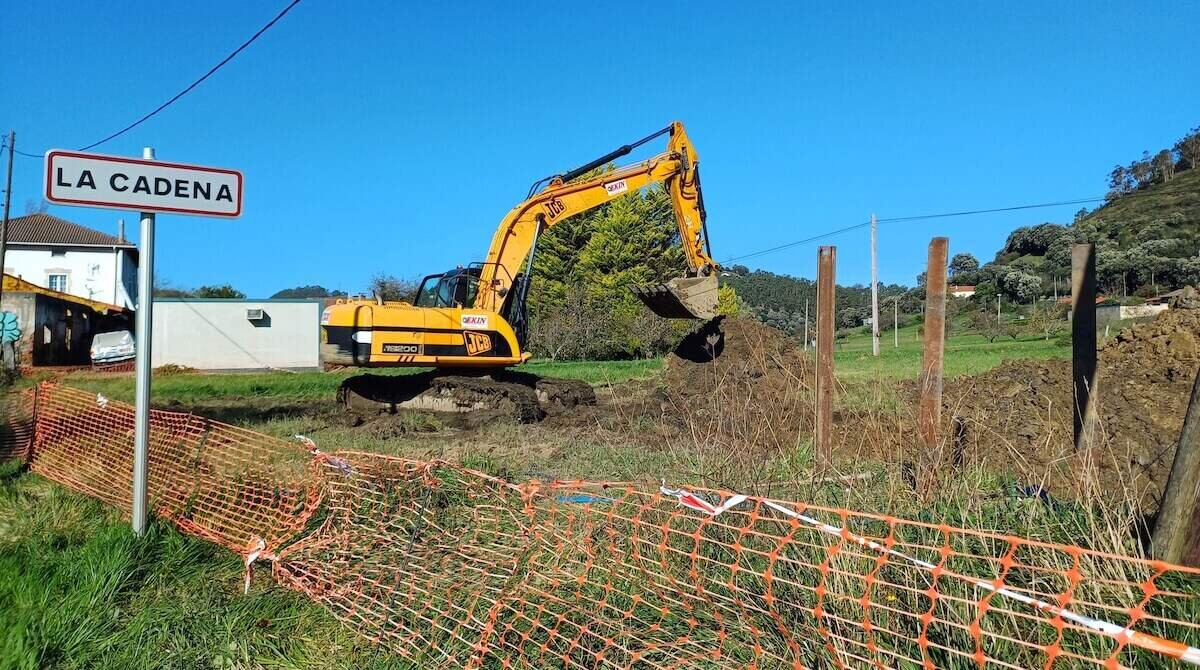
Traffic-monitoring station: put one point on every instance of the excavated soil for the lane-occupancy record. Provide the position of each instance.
(1019, 415)
(740, 385)
(736, 381)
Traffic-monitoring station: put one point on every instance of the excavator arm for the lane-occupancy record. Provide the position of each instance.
(510, 255)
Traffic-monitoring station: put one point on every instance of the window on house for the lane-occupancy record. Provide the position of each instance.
(58, 253)
(57, 283)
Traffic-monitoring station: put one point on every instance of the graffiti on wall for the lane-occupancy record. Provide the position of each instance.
(10, 327)
(10, 333)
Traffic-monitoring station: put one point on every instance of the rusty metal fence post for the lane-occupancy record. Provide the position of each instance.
(826, 268)
(930, 410)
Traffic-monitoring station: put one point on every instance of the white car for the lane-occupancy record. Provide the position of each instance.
(112, 347)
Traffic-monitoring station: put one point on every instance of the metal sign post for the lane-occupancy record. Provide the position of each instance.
(144, 328)
(149, 186)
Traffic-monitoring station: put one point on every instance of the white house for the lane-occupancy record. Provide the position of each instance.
(66, 257)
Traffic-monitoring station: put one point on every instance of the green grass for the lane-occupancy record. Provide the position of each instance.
(966, 354)
(79, 590)
(308, 386)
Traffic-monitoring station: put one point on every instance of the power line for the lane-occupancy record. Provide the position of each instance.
(189, 88)
(1081, 201)
(797, 243)
(919, 217)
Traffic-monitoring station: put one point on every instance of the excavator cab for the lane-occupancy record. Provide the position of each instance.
(456, 288)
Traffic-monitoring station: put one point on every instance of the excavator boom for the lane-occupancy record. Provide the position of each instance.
(678, 169)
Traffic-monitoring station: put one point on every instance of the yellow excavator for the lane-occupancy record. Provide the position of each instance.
(470, 323)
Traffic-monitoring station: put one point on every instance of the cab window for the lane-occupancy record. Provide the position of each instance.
(427, 294)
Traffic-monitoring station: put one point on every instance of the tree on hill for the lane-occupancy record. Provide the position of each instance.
(389, 287)
(164, 289)
(1158, 168)
(1032, 240)
(1188, 150)
(963, 263)
(218, 291)
(308, 292)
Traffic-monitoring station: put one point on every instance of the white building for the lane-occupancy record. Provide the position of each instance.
(237, 334)
(66, 257)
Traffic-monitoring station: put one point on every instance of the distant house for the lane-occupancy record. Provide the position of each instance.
(69, 258)
(962, 290)
(1165, 298)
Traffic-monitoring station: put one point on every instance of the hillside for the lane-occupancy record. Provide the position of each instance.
(1176, 202)
(1146, 241)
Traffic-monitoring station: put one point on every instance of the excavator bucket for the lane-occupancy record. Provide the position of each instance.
(681, 298)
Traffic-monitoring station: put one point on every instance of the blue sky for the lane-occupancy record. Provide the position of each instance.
(394, 136)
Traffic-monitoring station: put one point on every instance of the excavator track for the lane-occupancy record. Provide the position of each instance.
(523, 397)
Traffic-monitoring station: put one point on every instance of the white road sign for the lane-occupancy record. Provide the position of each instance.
(116, 182)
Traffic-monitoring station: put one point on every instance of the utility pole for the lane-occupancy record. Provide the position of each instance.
(806, 324)
(874, 288)
(997, 308)
(12, 140)
(896, 321)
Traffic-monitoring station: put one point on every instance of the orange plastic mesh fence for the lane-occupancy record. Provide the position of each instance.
(453, 568)
(449, 565)
(16, 424)
(227, 484)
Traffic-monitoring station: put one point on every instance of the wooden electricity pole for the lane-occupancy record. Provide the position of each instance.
(874, 288)
(826, 267)
(1083, 342)
(1176, 536)
(12, 140)
(896, 322)
(930, 411)
(806, 324)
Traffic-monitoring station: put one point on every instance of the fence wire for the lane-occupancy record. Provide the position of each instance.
(453, 568)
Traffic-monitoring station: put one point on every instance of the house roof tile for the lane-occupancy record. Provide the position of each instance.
(46, 229)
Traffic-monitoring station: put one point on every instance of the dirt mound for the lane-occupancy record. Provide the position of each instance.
(1020, 413)
(738, 381)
